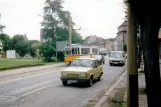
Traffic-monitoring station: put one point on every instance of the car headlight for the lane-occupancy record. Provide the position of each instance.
(64, 74)
(84, 74)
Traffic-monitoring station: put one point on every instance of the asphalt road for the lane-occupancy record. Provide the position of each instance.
(46, 90)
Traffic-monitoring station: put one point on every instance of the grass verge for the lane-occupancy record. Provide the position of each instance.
(19, 63)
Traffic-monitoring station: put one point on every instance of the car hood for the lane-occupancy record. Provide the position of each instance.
(112, 58)
(77, 69)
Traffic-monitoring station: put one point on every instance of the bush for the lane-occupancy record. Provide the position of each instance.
(60, 56)
(54, 59)
(47, 52)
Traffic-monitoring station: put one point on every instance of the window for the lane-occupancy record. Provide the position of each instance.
(68, 51)
(82, 62)
(85, 50)
(94, 51)
(116, 54)
(96, 63)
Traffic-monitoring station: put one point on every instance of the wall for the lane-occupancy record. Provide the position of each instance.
(10, 54)
(109, 44)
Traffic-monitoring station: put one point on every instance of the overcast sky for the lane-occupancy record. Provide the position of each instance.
(95, 17)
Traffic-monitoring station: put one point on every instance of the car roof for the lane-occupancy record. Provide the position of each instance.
(117, 51)
(87, 58)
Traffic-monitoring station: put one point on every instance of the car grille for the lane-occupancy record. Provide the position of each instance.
(115, 61)
(73, 75)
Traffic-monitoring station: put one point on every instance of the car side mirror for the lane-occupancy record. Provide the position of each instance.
(95, 66)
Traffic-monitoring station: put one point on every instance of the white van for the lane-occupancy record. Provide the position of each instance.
(117, 57)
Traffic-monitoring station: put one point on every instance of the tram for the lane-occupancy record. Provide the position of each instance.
(80, 51)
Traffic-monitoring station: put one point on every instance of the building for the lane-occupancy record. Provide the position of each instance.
(109, 44)
(93, 39)
(122, 36)
(115, 44)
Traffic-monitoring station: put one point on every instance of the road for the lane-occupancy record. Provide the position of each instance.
(46, 90)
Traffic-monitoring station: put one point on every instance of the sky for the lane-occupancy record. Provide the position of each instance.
(95, 17)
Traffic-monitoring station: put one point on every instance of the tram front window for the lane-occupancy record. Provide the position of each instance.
(68, 52)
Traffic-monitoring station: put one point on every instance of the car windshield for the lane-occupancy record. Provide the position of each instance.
(82, 62)
(116, 54)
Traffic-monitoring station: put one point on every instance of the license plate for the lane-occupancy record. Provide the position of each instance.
(115, 62)
(72, 80)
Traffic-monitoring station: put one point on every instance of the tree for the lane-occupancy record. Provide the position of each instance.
(34, 49)
(54, 16)
(17, 38)
(56, 21)
(30, 43)
(125, 47)
(63, 34)
(6, 42)
(47, 51)
(22, 48)
(76, 38)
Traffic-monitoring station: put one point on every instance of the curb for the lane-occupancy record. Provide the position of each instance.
(16, 73)
(106, 95)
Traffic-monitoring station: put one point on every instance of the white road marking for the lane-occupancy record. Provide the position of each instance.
(24, 89)
(34, 75)
(39, 89)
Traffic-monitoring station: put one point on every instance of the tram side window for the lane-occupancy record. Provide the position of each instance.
(94, 51)
(74, 51)
(85, 50)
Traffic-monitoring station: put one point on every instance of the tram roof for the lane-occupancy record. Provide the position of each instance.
(79, 45)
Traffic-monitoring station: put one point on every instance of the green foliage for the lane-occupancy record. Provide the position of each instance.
(6, 42)
(76, 38)
(56, 22)
(54, 59)
(32, 51)
(60, 56)
(17, 38)
(35, 49)
(125, 47)
(63, 34)
(47, 51)
(120, 103)
(22, 48)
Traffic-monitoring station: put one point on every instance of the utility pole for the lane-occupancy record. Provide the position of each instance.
(70, 30)
(132, 91)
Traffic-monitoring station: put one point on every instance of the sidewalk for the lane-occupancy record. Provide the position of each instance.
(29, 69)
(119, 93)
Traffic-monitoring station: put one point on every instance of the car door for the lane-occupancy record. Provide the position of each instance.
(99, 69)
(95, 69)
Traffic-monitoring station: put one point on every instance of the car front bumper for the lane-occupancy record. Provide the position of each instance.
(116, 62)
(81, 80)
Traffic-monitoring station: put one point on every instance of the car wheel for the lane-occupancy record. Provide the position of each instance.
(90, 83)
(99, 78)
(110, 64)
(64, 82)
(103, 62)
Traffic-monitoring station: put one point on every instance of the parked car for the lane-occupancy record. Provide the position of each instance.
(100, 58)
(82, 70)
(117, 57)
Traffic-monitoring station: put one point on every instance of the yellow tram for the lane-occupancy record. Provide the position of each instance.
(80, 51)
